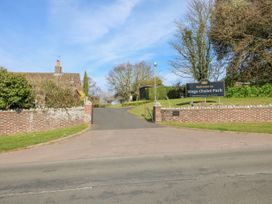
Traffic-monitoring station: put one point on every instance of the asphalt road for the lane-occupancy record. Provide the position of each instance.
(118, 119)
(229, 177)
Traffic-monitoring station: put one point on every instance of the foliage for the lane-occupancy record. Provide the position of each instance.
(164, 92)
(161, 93)
(26, 139)
(241, 33)
(15, 91)
(250, 91)
(86, 84)
(151, 81)
(195, 57)
(59, 97)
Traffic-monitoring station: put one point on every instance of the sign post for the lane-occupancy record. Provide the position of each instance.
(205, 89)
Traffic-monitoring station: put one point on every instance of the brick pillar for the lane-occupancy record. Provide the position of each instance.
(157, 116)
(88, 109)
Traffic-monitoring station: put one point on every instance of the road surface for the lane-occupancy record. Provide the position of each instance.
(125, 160)
(235, 177)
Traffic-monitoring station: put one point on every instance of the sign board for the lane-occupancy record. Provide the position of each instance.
(205, 89)
(175, 113)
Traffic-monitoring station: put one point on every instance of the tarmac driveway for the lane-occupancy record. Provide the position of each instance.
(116, 133)
(118, 119)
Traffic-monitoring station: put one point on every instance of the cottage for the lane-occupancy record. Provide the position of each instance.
(66, 80)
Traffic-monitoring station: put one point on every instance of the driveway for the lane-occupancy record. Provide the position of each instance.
(116, 133)
(118, 119)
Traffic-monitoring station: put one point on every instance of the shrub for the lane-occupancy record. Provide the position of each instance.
(250, 91)
(161, 93)
(15, 91)
(164, 92)
(59, 97)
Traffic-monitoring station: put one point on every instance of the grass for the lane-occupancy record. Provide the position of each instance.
(144, 110)
(17, 141)
(260, 127)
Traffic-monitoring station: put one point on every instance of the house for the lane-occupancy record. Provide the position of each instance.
(65, 80)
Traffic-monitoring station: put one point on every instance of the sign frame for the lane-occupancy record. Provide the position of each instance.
(205, 89)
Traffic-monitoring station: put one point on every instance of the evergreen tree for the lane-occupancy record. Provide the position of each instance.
(15, 91)
(86, 84)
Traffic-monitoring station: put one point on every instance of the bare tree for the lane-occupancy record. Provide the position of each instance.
(94, 90)
(195, 57)
(121, 80)
(142, 72)
(126, 79)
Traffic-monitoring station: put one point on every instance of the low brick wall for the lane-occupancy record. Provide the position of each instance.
(35, 120)
(215, 114)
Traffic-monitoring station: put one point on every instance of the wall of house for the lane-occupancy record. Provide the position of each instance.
(214, 114)
(35, 120)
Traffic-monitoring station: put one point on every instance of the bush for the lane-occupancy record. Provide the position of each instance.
(161, 93)
(15, 91)
(164, 92)
(250, 91)
(58, 97)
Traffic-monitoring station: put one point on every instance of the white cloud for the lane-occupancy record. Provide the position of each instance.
(86, 23)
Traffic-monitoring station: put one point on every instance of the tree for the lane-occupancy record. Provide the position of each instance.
(59, 97)
(15, 91)
(121, 80)
(142, 72)
(125, 79)
(86, 84)
(241, 32)
(195, 57)
(94, 90)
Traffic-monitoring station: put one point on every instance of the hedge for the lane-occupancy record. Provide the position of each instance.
(250, 91)
(164, 92)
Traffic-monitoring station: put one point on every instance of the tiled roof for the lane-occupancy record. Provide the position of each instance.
(71, 80)
(67, 80)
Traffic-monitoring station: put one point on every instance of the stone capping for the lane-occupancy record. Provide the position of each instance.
(219, 107)
(42, 109)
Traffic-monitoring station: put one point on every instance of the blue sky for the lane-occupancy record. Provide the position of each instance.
(92, 35)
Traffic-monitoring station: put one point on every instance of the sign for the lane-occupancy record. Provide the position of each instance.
(175, 113)
(205, 89)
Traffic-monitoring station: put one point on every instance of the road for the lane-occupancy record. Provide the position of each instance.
(118, 119)
(236, 177)
(125, 160)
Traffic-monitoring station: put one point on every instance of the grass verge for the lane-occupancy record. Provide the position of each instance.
(144, 110)
(17, 141)
(259, 127)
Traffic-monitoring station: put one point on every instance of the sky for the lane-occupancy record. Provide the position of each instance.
(91, 35)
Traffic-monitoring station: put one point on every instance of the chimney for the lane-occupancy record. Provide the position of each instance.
(58, 68)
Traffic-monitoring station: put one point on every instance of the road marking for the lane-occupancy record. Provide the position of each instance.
(94, 186)
(45, 192)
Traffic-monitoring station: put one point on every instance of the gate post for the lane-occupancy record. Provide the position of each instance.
(157, 116)
(88, 112)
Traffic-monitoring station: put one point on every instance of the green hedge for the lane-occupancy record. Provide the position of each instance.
(250, 91)
(164, 92)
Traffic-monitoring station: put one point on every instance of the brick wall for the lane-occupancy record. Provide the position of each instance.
(217, 114)
(12, 122)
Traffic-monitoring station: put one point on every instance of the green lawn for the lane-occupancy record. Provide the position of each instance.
(262, 127)
(27, 139)
(145, 109)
